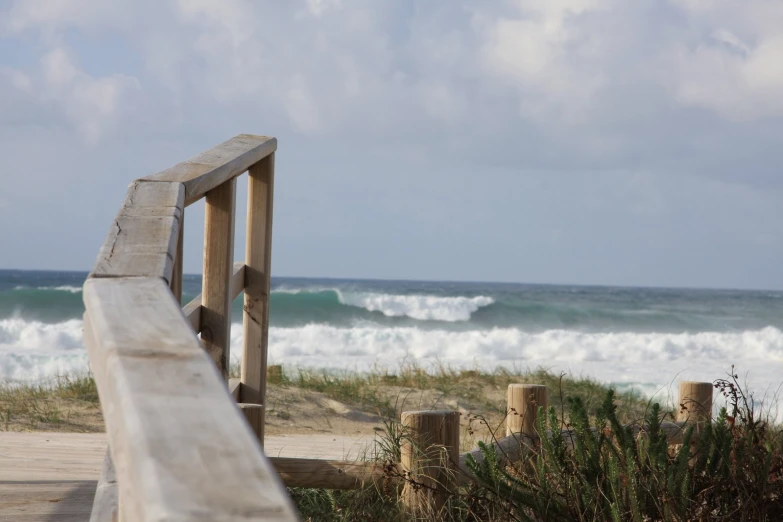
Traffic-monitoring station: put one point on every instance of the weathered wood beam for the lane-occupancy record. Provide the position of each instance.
(142, 240)
(331, 474)
(260, 191)
(214, 167)
(180, 446)
(105, 505)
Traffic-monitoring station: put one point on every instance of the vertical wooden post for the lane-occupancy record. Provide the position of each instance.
(176, 277)
(260, 192)
(215, 291)
(430, 452)
(522, 408)
(695, 404)
(254, 415)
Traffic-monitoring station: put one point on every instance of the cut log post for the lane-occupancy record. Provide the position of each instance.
(522, 408)
(254, 415)
(218, 259)
(430, 460)
(695, 403)
(274, 374)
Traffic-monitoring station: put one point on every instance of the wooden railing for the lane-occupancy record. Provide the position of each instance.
(179, 448)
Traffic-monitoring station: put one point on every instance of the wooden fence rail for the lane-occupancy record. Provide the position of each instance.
(185, 442)
(179, 448)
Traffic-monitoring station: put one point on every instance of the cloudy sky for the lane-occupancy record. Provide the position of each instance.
(562, 141)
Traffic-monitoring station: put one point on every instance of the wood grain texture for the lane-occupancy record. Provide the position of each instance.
(214, 167)
(695, 402)
(192, 310)
(258, 248)
(430, 456)
(523, 402)
(235, 389)
(176, 276)
(142, 240)
(215, 325)
(329, 474)
(253, 416)
(174, 432)
(105, 505)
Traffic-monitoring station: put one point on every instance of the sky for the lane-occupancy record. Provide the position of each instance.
(580, 142)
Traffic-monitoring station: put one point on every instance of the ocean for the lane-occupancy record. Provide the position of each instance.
(645, 338)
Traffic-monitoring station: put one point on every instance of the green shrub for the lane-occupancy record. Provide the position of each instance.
(733, 469)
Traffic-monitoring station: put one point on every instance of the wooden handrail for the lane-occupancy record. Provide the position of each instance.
(178, 445)
(214, 167)
(142, 240)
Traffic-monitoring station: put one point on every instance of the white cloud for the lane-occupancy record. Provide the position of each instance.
(89, 104)
(505, 112)
(593, 81)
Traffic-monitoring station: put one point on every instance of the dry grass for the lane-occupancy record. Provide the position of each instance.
(65, 403)
(313, 401)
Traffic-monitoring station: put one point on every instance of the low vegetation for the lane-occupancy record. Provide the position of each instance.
(729, 470)
(64, 403)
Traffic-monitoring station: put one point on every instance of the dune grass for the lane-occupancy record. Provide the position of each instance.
(730, 470)
(63, 403)
(733, 472)
(380, 390)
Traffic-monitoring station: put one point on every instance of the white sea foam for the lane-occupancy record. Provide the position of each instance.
(421, 307)
(62, 288)
(32, 350)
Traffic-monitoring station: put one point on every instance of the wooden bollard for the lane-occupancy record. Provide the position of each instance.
(274, 374)
(254, 415)
(430, 457)
(695, 404)
(522, 408)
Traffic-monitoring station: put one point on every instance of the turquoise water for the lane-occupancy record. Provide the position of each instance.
(641, 336)
(52, 297)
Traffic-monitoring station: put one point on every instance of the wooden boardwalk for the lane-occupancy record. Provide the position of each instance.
(52, 476)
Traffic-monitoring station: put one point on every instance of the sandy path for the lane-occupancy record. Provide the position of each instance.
(52, 476)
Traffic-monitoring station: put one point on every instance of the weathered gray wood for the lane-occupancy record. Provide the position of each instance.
(142, 240)
(104, 507)
(216, 283)
(331, 474)
(214, 167)
(180, 447)
(235, 389)
(176, 276)
(260, 193)
(192, 310)
(253, 416)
